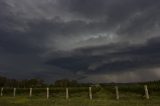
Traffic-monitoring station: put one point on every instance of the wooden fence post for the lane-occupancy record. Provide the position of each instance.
(14, 92)
(117, 92)
(30, 92)
(67, 93)
(1, 91)
(47, 93)
(146, 91)
(90, 93)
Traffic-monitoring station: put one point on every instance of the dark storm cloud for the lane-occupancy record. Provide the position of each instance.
(114, 12)
(131, 18)
(112, 58)
(78, 37)
(12, 45)
(108, 7)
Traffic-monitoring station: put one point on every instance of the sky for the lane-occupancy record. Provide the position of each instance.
(83, 40)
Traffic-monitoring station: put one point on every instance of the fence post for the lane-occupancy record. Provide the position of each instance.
(1, 91)
(146, 91)
(47, 93)
(117, 92)
(14, 92)
(67, 93)
(30, 92)
(90, 93)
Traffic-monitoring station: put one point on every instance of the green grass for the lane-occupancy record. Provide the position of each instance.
(77, 101)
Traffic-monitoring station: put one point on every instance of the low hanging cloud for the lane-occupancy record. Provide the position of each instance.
(85, 39)
(111, 58)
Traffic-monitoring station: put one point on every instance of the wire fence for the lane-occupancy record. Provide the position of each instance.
(116, 92)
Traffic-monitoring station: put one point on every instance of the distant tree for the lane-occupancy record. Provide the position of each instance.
(65, 83)
(2, 81)
(36, 83)
(5, 82)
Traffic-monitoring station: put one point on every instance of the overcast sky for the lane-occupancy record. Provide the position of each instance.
(85, 40)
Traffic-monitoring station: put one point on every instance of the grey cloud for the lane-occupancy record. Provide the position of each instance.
(111, 59)
(80, 37)
(132, 17)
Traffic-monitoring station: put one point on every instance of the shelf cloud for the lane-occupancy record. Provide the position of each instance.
(86, 40)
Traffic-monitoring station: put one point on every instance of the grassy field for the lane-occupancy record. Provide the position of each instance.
(79, 97)
(38, 101)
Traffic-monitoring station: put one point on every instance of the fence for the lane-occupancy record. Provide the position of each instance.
(91, 90)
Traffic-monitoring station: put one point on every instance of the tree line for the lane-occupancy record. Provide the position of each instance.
(6, 82)
(38, 83)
